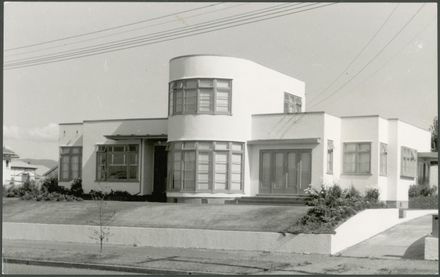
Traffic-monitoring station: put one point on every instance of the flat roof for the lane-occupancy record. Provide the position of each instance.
(114, 119)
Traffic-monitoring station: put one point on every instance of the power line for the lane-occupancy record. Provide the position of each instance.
(124, 31)
(398, 52)
(110, 28)
(15, 66)
(360, 52)
(145, 37)
(371, 60)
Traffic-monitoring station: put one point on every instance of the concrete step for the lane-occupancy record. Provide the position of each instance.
(270, 200)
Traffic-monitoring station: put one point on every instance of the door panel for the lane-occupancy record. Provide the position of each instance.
(265, 177)
(279, 180)
(292, 175)
(305, 169)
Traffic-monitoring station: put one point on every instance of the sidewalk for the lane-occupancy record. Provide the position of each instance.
(193, 261)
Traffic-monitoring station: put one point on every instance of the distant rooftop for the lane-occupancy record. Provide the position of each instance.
(9, 153)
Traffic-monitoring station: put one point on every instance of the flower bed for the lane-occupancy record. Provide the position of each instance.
(331, 206)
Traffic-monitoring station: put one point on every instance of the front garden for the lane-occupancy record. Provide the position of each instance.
(422, 197)
(331, 206)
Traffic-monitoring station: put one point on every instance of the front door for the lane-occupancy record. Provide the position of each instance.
(285, 171)
(160, 172)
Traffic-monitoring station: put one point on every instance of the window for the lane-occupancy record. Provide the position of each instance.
(357, 157)
(70, 163)
(206, 166)
(117, 162)
(200, 96)
(292, 103)
(383, 159)
(329, 156)
(408, 162)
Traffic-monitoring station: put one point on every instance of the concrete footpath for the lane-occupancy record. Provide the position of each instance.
(406, 240)
(150, 260)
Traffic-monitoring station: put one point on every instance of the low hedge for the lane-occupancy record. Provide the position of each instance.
(332, 206)
(423, 202)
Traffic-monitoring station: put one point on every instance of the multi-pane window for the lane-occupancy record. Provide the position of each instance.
(292, 103)
(117, 162)
(357, 158)
(330, 156)
(408, 162)
(70, 163)
(383, 159)
(206, 166)
(200, 96)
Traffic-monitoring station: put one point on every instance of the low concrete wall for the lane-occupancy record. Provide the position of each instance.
(362, 226)
(410, 214)
(173, 237)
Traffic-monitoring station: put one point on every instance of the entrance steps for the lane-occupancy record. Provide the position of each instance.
(261, 199)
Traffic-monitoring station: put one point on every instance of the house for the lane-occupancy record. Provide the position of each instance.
(8, 156)
(427, 166)
(22, 172)
(51, 173)
(236, 128)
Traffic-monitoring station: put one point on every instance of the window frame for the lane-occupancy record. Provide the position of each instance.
(356, 162)
(211, 150)
(413, 168)
(126, 163)
(70, 154)
(383, 159)
(215, 89)
(288, 99)
(330, 153)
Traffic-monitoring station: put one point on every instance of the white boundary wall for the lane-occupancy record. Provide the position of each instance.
(360, 227)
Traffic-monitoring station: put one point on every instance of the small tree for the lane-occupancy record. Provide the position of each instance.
(434, 135)
(103, 220)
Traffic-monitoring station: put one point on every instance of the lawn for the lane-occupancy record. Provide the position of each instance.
(148, 214)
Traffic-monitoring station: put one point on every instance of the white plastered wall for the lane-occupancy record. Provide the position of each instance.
(255, 89)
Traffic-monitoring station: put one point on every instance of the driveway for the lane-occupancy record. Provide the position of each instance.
(406, 240)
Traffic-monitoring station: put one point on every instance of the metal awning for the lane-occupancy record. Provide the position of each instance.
(285, 141)
(132, 136)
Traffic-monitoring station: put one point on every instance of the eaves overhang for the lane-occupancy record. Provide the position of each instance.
(129, 137)
(284, 141)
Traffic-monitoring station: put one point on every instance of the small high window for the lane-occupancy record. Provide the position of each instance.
(200, 96)
(408, 162)
(330, 156)
(383, 159)
(357, 158)
(292, 103)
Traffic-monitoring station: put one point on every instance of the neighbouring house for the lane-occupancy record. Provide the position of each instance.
(22, 172)
(236, 128)
(51, 173)
(8, 156)
(427, 167)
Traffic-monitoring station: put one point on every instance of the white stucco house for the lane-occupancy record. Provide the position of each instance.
(236, 128)
(8, 157)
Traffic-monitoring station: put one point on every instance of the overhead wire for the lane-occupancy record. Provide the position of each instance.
(158, 40)
(339, 89)
(359, 53)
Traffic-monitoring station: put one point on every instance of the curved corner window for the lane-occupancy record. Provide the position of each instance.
(200, 96)
(205, 166)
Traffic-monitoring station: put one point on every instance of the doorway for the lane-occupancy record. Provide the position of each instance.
(285, 171)
(160, 173)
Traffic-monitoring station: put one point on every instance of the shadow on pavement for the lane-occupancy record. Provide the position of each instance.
(416, 250)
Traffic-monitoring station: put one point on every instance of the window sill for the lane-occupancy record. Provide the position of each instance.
(357, 174)
(407, 177)
(117, 181)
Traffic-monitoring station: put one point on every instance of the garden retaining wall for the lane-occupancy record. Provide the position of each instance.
(358, 228)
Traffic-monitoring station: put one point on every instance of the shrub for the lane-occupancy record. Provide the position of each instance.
(331, 206)
(423, 202)
(372, 195)
(76, 188)
(421, 190)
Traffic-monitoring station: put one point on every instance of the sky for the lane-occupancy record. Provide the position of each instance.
(392, 72)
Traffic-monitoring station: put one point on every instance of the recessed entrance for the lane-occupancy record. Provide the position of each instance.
(160, 172)
(285, 171)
